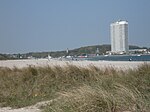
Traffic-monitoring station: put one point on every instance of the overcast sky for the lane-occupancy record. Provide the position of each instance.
(51, 25)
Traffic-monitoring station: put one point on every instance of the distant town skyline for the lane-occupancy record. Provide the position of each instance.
(55, 25)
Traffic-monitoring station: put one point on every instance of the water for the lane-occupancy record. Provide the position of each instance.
(121, 58)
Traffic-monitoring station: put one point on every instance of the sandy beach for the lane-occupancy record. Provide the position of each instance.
(44, 62)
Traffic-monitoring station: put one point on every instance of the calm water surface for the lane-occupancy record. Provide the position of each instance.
(121, 58)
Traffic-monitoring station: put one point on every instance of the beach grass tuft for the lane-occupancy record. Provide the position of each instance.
(77, 89)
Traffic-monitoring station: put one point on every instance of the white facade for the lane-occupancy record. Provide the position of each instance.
(119, 36)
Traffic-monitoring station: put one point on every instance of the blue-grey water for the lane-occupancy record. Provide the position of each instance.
(120, 58)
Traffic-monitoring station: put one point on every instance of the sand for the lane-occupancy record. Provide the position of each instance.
(8, 109)
(44, 62)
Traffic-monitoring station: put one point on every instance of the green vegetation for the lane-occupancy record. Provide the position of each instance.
(5, 57)
(74, 89)
(75, 52)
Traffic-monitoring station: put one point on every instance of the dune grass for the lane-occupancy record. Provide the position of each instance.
(76, 89)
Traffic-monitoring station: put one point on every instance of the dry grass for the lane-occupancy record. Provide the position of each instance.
(77, 89)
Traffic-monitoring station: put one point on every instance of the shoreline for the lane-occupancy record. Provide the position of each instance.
(45, 62)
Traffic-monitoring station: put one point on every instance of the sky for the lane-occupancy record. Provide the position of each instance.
(55, 25)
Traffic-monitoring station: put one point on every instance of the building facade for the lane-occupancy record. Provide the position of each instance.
(119, 36)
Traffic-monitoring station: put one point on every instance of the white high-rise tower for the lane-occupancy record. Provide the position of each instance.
(119, 36)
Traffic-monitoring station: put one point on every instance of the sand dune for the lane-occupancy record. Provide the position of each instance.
(123, 65)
